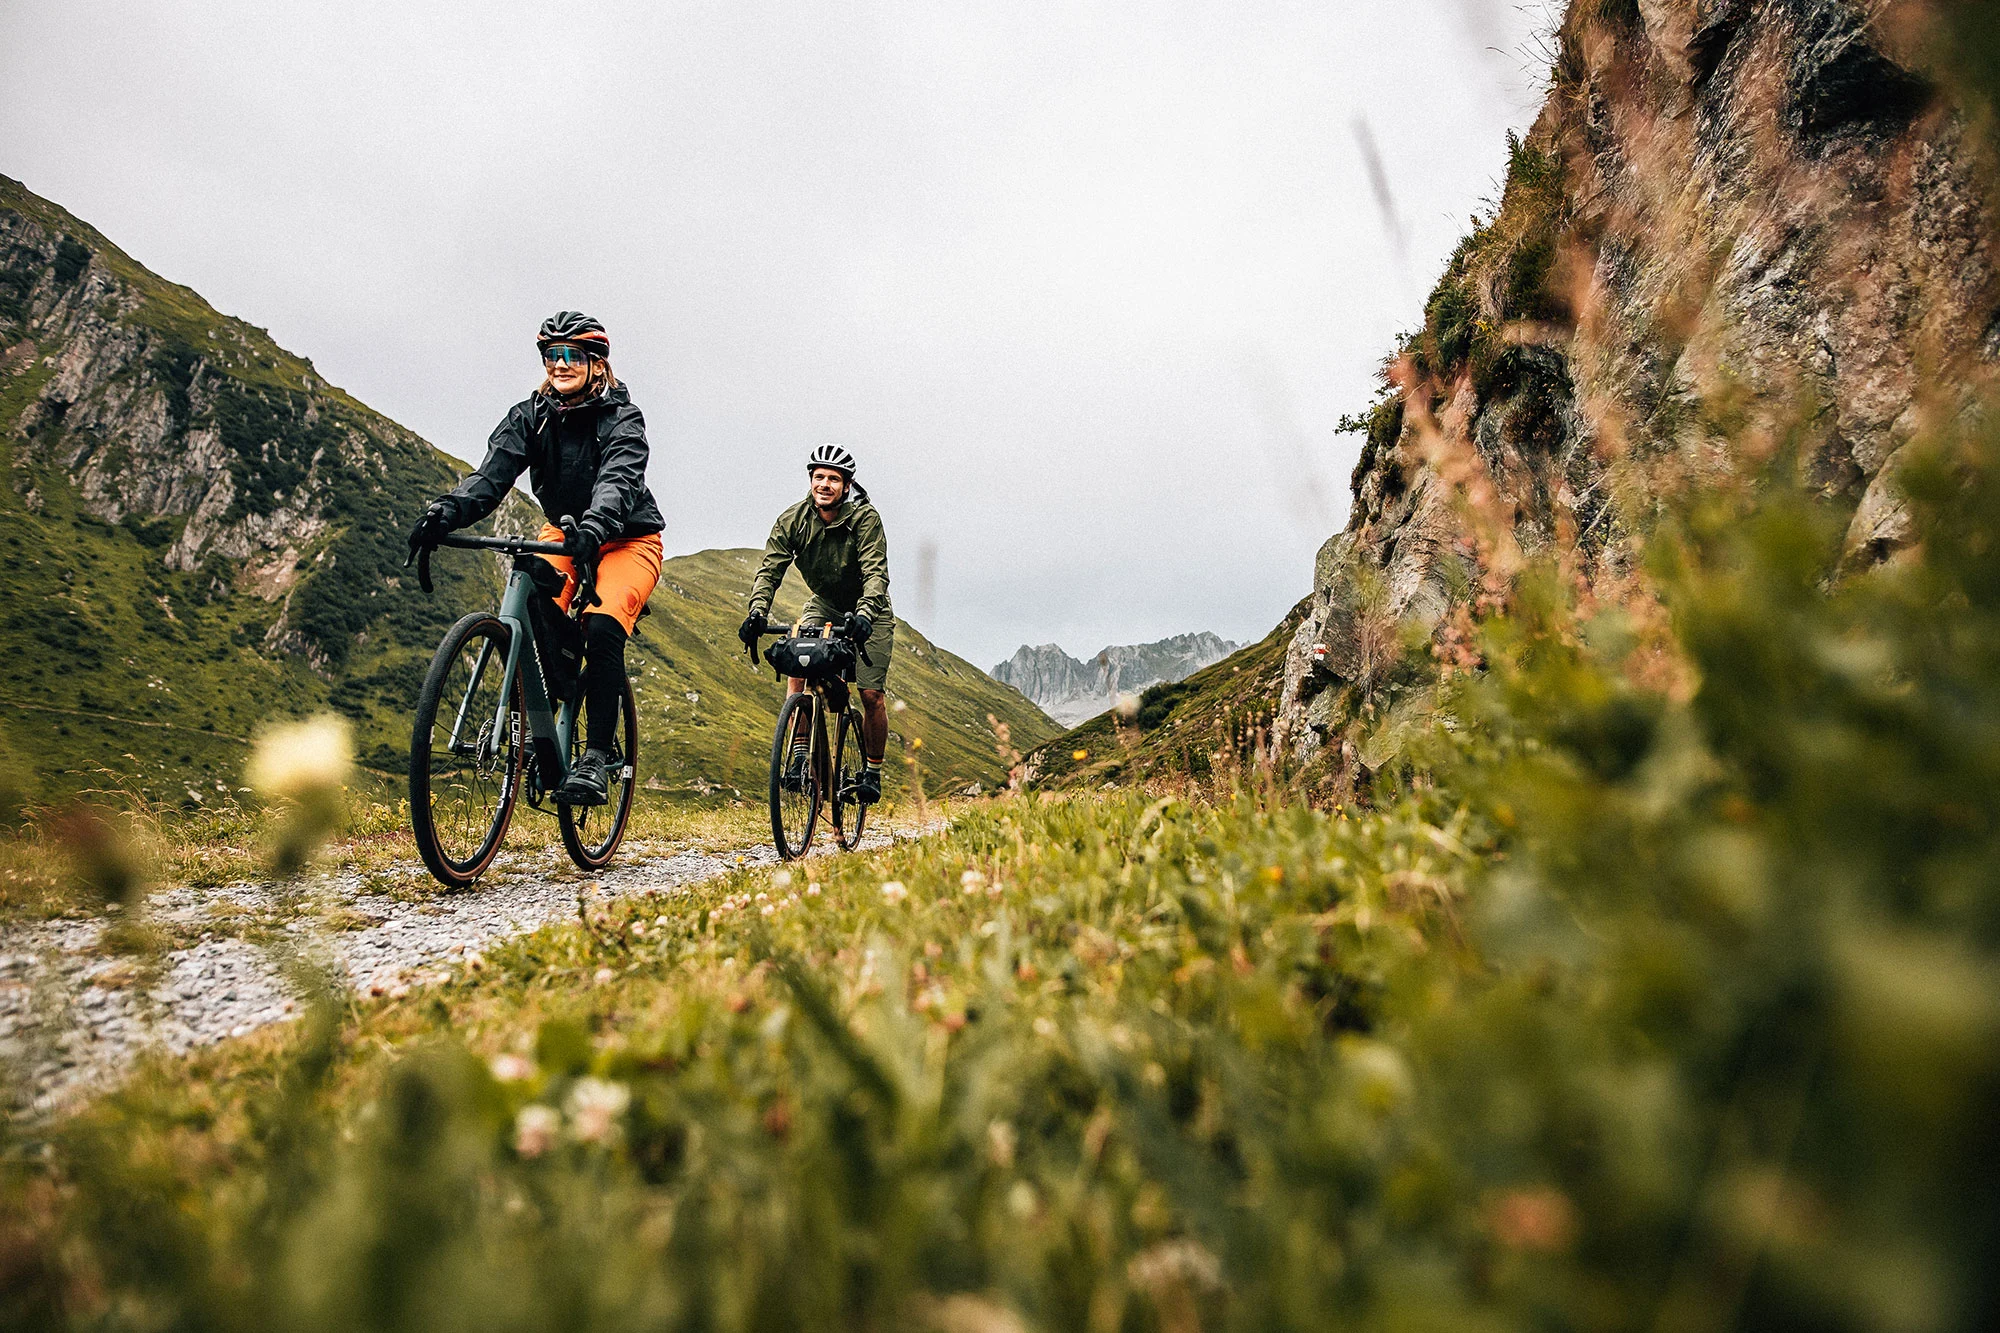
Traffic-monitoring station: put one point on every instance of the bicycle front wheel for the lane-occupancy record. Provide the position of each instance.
(591, 833)
(796, 786)
(848, 813)
(465, 752)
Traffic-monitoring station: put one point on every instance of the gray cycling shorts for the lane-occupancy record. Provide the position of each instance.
(874, 673)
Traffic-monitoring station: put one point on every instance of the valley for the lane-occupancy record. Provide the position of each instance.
(203, 536)
(1580, 911)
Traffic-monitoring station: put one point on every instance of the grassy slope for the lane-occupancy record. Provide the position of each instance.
(156, 675)
(126, 675)
(122, 673)
(689, 646)
(1640, 990)
(1183, 728)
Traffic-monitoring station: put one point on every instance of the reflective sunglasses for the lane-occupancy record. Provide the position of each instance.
(562, 354)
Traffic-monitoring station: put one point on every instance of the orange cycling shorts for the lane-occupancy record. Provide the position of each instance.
(626, 573)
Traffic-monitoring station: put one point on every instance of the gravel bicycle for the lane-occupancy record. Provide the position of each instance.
(501, 709)
(804, 778)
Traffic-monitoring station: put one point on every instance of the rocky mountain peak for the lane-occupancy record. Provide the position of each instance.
(1071, 691)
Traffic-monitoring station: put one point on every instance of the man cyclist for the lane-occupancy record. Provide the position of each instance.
(835, 539)
(582, 441)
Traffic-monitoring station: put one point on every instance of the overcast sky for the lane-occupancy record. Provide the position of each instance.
(1085, 286)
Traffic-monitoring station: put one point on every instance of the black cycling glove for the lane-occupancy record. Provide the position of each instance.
(437, 520)
(753, 625)
(581, 542)
(859, 627)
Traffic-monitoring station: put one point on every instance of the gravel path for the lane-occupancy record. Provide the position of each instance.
(73, 1015)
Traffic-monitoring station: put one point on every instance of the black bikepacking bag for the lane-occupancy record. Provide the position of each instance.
(809, 657)
(558, 639)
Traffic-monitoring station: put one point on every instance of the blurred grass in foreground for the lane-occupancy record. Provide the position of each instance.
(1660, 988)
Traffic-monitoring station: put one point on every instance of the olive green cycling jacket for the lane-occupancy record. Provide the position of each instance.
(845, 563)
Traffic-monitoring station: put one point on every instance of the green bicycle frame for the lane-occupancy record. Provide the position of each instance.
(549, 729)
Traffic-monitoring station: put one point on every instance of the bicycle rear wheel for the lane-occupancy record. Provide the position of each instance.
(848, 814)
(796, 789)
(591, 833)
(465, 753)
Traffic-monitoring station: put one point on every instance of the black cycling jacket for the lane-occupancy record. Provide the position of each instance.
(587, 461)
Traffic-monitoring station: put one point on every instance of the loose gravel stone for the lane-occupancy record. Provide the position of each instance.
(64, 1034)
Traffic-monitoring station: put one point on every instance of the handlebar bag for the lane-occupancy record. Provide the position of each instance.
(808, 657)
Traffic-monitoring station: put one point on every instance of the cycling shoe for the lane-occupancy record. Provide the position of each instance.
(589, 783)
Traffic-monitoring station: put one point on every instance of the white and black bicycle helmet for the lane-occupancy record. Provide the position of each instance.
(833, 456)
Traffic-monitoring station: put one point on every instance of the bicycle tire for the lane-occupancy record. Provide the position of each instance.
(577, 821)
(798, 808)
(437, 780)
(848, 815)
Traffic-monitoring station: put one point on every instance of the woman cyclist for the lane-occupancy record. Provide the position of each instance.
(582, 442)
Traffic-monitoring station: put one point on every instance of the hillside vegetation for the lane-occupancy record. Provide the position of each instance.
(200, 532)
(1205, 727)
(938, 726)
(201, 535)
(1660, 991)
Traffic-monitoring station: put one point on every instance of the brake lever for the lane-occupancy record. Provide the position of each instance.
(860, 645)
(424, 569)
(586, 574)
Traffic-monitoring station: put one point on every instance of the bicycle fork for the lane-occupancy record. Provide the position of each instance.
(472, 689)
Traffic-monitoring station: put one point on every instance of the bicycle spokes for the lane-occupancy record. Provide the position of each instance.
(797, 781)
(465, 752)
(849, 814)
(591, 833)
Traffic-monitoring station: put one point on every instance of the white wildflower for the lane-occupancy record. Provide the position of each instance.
(594, 1108)
(1000, 1141)
(535, 1130)
(511, 1068)
(301, 759)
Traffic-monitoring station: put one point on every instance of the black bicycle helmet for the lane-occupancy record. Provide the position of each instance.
(833, 456)
(573, 326)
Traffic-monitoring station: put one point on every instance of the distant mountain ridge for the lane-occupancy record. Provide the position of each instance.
(1070, 691)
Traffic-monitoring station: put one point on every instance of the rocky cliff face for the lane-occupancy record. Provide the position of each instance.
(1733, 220)
(203, 531)
(1070, 691)
(155, 409)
